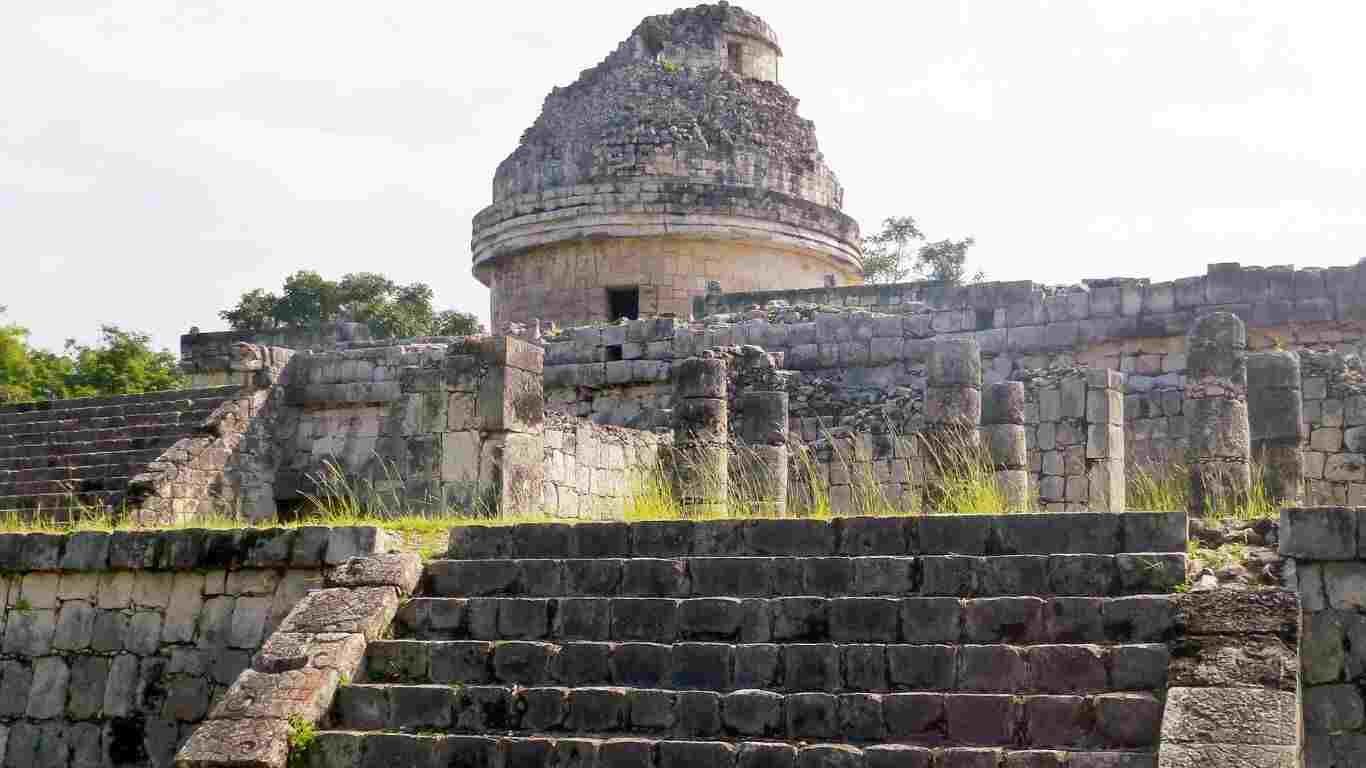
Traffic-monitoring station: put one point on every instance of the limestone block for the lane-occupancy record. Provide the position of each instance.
(955, 362)
(236, 744)
(512, 400)
(47, 696)
(1218, 428)
(1003, 403)
(699, 378)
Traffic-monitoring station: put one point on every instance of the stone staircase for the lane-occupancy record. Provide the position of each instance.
(57, 454)
(1022, 640)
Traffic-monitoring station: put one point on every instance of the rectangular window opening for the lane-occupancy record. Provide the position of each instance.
(623, 303)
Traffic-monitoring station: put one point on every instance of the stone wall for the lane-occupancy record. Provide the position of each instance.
(116, 645)
(1232, 682)
(1330, 577)
(216, 359)
(419, 426)
(592, 470)
(1334, 392)
(1074, 439)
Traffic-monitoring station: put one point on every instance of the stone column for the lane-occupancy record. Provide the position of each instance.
(1004, 434)
(1276, 416)
(763, 457)
(1216, 405)
(1105, 440)
(492, 440)
(953, 391)
(953, 411)
(701, 456)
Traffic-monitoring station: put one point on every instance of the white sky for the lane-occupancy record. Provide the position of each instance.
(159, 158)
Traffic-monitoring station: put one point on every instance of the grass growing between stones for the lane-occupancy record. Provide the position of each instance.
(1167, 488)
(959, 478)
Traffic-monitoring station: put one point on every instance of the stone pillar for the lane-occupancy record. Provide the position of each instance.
(953, 391)
(1105, 440)
(492, 450)
(762, 460)
(1216, 404)
(701, 456)
(1276, 417)
(953, 411)
(1004, 434)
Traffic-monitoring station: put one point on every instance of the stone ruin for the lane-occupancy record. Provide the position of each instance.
(679, 294)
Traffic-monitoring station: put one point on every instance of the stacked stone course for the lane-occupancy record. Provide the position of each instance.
(116, 645)
(592, 471)
(865, 642)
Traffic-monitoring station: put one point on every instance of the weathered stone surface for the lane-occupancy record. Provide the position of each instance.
(304, 693)
(365, 610)
(1272, 611)
(399, 570)
(1230, 716)
(285, 651)
(1318, 533)
(236, 744)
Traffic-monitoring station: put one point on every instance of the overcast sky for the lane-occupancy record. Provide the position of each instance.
(157, 159)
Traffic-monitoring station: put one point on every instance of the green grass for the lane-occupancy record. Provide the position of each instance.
(1167, 488)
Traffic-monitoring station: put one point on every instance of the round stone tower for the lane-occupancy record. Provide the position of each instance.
(677, 161)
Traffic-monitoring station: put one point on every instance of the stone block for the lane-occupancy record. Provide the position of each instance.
(1318, 533)
(236, 743)
(47, 694)
(955, 363)
(86, 551)
(304, 693)
(697, 377)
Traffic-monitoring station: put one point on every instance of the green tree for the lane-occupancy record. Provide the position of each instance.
(456, 323)
(16, 366)
(901, 249)
(255, 311)
(389, 309)
(122, 363)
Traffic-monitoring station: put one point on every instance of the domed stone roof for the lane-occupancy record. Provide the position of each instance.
(683, 123)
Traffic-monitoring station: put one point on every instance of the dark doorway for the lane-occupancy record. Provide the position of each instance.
(735, 53)
(623, 303)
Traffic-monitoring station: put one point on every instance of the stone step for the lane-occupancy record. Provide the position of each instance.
(69, 473)
(357, 749)
(955, 575)
(782, 668)
(1112, 720)
(84, 484)
(170, 424)
(60, 504)
(151, 440)
(1099, 533)
(78, 460)
(1016, 620)
(113, 405)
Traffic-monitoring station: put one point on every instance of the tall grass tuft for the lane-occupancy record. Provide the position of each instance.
(1167, 488)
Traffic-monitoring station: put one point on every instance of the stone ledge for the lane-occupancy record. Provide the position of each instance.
(980, 535)
(189, 549)
(1320, 533)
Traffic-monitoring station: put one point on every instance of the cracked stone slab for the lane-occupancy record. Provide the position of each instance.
(305, 693)
(236, 744)
(285, 651)
(399, 570)
(1246, 716)
(364, 610)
